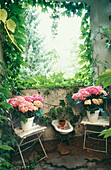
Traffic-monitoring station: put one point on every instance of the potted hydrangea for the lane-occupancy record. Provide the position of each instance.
(92, 99)
(26, 109)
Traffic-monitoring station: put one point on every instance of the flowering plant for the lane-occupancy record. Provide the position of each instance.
(26, 107)
(92, 97)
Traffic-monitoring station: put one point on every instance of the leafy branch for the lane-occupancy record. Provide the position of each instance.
(8, 25)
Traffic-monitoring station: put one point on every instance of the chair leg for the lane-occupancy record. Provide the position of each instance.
(106, 146)
(84, 144)
(43, 148)
(21, 156)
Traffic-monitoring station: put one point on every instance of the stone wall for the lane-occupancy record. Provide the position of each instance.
(53, 100)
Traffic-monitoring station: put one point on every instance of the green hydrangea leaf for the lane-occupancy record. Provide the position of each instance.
(11, 25)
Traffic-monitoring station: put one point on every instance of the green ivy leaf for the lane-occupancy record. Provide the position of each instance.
(6, 147)
(105, 112)
(5, 105)
(4, 90)
(11, 25)
(24, 63)
(106, 133)
(3, 15)
(4, 117)
(62, 103)
(38, 113)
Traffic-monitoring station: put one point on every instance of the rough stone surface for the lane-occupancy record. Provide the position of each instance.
(78, 159)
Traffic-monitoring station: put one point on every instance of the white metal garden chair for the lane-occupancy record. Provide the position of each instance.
(29, 137)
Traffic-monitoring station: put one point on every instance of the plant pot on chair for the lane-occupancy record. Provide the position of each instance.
(93, 117)
(28, 125)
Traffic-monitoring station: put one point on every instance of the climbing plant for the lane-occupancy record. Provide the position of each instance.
(6, 139)
(13, 57)
(86, 72)
(84, 76)
(63, 111)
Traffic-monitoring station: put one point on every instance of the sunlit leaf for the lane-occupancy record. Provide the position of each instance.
(24, 63)
(107, 82)
(3, 15)
(105, 77)
(5, 105)
(11, 25)
(4, 90)
(6, 147)
(4, 117)
(106, 133)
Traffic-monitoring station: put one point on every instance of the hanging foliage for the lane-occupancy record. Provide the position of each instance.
(12, 55)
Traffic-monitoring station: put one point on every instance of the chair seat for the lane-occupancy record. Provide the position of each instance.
(35, 129)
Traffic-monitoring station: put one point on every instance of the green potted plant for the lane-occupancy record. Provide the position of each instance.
(62, 114)
(26, 109)
(92, 100)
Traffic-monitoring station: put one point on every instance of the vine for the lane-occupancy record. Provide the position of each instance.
(86, 72)
(12, 50)
(14, 59)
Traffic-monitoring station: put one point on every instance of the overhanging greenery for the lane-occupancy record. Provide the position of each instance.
(14, 59)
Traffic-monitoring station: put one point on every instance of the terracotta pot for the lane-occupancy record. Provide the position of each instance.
(62, 122)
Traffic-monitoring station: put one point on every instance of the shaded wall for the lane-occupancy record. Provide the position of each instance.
(99, 16)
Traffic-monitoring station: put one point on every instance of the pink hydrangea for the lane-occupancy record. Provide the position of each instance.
(37, 97)
(25, 104)
(97, 101)
(29, 98)
(13, 102)
(102, 91)
(24, 107)
(38, 104)
(87, 92)
(92, 90)
(87, 102)
(84, 92)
